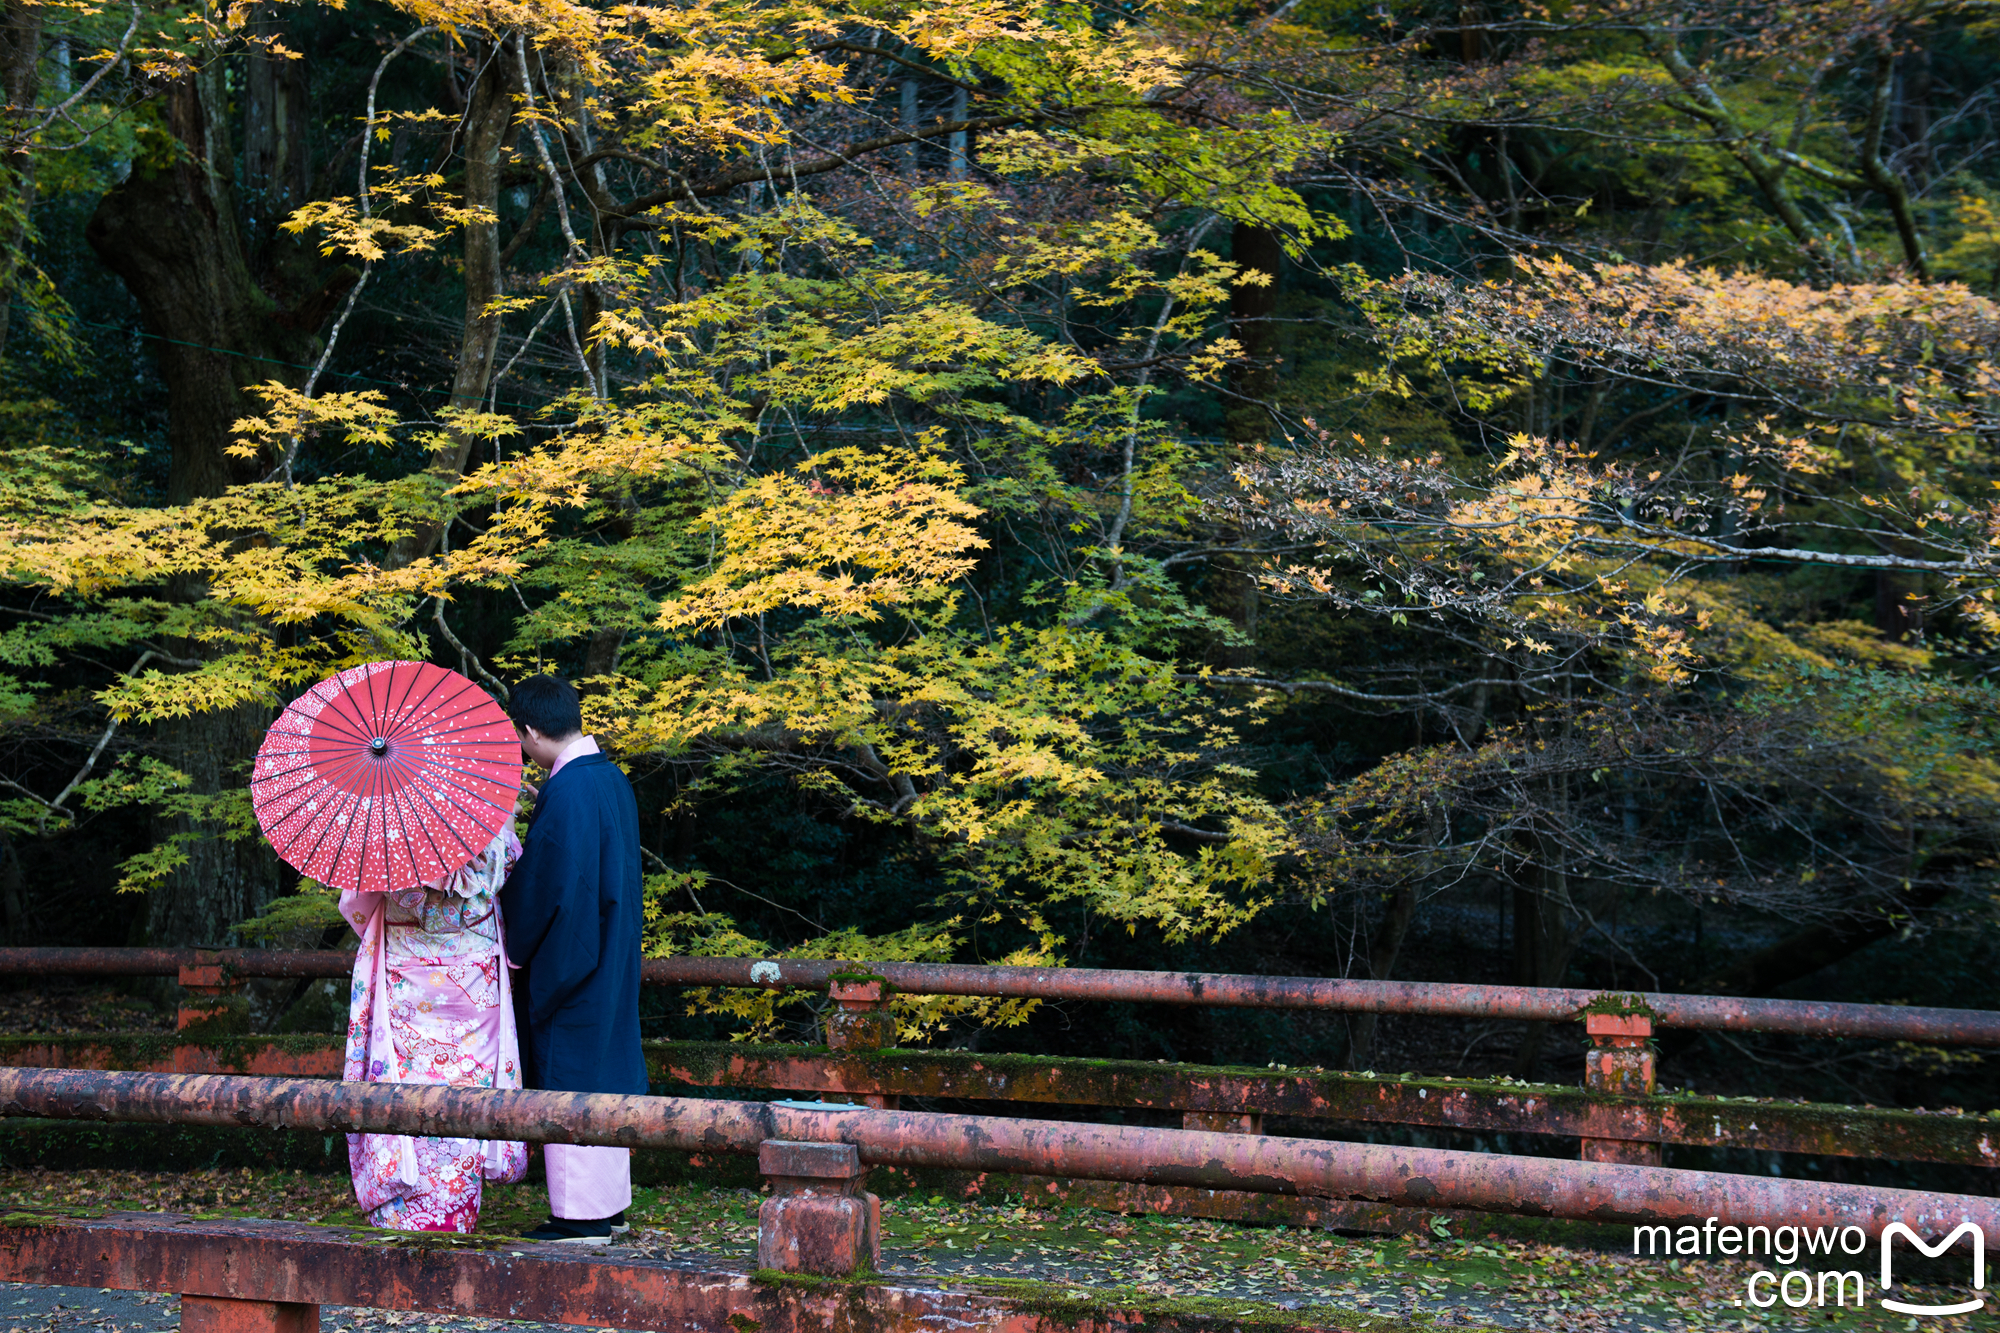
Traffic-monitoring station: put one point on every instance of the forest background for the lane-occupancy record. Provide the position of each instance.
(1448, 491)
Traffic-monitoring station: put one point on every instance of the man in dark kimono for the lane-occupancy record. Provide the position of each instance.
(572, 913)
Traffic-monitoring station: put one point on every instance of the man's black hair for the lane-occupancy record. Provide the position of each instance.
(548, 705)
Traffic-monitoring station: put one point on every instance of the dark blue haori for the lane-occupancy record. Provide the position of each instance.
(573, 911)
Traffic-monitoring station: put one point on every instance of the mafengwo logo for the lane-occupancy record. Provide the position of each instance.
(1800, 1287)
(1896, 1229)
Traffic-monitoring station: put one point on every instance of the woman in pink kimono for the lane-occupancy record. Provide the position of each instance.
(431, 1004)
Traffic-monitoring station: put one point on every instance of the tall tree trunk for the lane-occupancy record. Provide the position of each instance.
(172, 235)
(276, 172)
(1247, 424)
(1471, 47)
(13, 895)
(1251, 308)
(1899, 607)
(20, 55)
(1387, 945)
(906, 121)
(225, 880)
(1544, 939)
(1382, 952)
(1917, 113)
(958, 160)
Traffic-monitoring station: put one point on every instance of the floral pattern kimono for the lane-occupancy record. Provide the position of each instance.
(431, 1003)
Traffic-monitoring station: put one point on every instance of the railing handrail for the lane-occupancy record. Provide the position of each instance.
(1419, 1177)
(170, 962)
(1715, 1013)
(1821, 1018)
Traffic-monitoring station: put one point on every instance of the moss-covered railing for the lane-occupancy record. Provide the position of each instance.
(1480, 1105)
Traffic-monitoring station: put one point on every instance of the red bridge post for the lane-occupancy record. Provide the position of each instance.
(1621, 1062)
(862, 1022)
(818, 1219)
(211, 997)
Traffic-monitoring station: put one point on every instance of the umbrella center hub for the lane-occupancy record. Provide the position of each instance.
(378, 747)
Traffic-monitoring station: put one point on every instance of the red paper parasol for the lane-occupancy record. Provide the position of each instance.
(386, 776)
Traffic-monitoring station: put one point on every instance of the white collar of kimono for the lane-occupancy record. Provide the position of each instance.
(576, 749)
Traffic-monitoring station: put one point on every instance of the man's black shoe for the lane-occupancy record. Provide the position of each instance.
(567, 1231)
